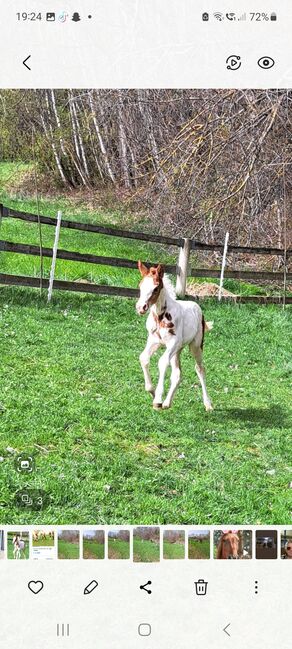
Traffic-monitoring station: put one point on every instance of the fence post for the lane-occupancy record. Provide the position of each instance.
(55, 250)
(183, 268)
(223, 266)
(1, 213)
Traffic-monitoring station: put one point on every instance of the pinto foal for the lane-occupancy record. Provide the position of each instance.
(174, 324)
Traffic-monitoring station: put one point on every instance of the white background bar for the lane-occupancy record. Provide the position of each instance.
(138, 43)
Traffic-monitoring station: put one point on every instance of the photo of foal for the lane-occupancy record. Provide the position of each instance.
(233, 544)
(174, 324)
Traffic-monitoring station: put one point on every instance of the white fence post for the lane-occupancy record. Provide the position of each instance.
(183, 268)
(55, 249)
(223, 266)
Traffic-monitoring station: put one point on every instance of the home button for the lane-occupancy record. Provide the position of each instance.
(144, 629)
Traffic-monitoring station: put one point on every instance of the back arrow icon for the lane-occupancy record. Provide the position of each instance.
(24, 62)
(225, 629)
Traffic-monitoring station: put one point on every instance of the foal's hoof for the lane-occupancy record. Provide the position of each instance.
(165, 406)
(209, 407)
(157, 406)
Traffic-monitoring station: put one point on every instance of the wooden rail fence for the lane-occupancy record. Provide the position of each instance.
(182, 270)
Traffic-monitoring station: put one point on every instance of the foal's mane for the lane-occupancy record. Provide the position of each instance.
(168, 285)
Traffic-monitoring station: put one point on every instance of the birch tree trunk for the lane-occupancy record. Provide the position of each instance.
(100, 140)
(123, 143)
(50, 137)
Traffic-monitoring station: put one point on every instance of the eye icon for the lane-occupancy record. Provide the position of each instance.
(266, 62)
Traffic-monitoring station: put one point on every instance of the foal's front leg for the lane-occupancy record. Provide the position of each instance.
(150, 349)
(163, 364)
(174, 380)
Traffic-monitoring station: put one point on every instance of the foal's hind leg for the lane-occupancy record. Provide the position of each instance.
(150, 349)
(174, 380)
(198, 356)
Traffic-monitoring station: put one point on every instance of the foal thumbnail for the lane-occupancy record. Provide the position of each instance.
(233, 544)
(18, 545)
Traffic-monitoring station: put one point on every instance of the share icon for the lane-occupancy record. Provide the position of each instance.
(144, 587)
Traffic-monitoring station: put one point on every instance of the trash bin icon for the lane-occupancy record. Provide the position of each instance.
(201, 587)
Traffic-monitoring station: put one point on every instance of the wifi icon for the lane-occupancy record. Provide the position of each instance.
(218, 15)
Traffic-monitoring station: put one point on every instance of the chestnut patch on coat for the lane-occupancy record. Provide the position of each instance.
(162, 324)
(155, 293)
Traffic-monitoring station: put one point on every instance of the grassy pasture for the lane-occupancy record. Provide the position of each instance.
(92, 549)
(118, 549)
(145, 551)
(71, 392)
(199, 550)
(173, 550)
(67, 549)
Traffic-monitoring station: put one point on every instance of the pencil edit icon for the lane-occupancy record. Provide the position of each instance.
(90, 587)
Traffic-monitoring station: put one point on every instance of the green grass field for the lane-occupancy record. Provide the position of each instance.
(199, 550)
(67, 550)
(92, 549)
(71, 392)
(145, 551)
(74, 397)
(173, 550)
(118, 549)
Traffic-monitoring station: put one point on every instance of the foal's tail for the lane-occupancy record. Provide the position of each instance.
(206, 326)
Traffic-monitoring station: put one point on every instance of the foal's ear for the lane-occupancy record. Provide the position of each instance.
(160, 271)
(143, 269)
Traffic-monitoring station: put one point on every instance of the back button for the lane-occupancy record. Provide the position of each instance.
(25, 62)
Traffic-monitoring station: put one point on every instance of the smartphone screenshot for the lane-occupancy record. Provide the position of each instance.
(145, 324)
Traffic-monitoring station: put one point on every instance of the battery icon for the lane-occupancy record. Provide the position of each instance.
(273, 16)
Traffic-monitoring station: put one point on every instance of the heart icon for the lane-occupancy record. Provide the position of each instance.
(35, 586)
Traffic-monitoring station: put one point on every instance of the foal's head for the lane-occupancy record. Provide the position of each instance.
(150, 286)
(228, 546)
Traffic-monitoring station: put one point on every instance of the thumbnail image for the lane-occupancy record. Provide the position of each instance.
(43, 544)
(146, 544)
(233, 544)
(199, 544)
(173, 544)
(68, 544)
(18, 545)
(93, 544)
(2, 546)
(266, 544)
(146, 187)
(119, 544)
(286, 544)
